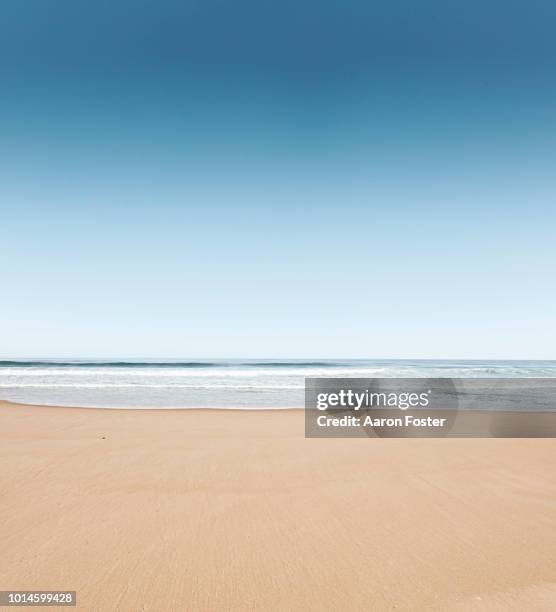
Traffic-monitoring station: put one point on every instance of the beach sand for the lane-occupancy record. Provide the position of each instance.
(171, 510)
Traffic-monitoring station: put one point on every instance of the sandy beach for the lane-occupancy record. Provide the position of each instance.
(171, 510)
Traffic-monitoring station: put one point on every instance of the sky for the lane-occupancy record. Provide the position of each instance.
(262, 179)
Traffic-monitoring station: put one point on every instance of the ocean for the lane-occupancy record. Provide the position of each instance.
(220, 383)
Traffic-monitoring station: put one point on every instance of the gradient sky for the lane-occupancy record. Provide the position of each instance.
(278, 179)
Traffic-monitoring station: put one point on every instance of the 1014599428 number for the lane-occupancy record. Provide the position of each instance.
(38, 598)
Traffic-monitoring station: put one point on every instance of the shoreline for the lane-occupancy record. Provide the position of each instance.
(9, 403)
(223, 509)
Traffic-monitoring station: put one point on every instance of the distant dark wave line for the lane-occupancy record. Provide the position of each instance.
(165, 364)
(293, 364)
(107, 364)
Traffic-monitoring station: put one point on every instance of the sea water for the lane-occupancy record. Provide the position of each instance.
(219, 383)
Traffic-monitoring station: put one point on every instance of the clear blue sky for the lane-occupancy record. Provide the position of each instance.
(256, 179)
